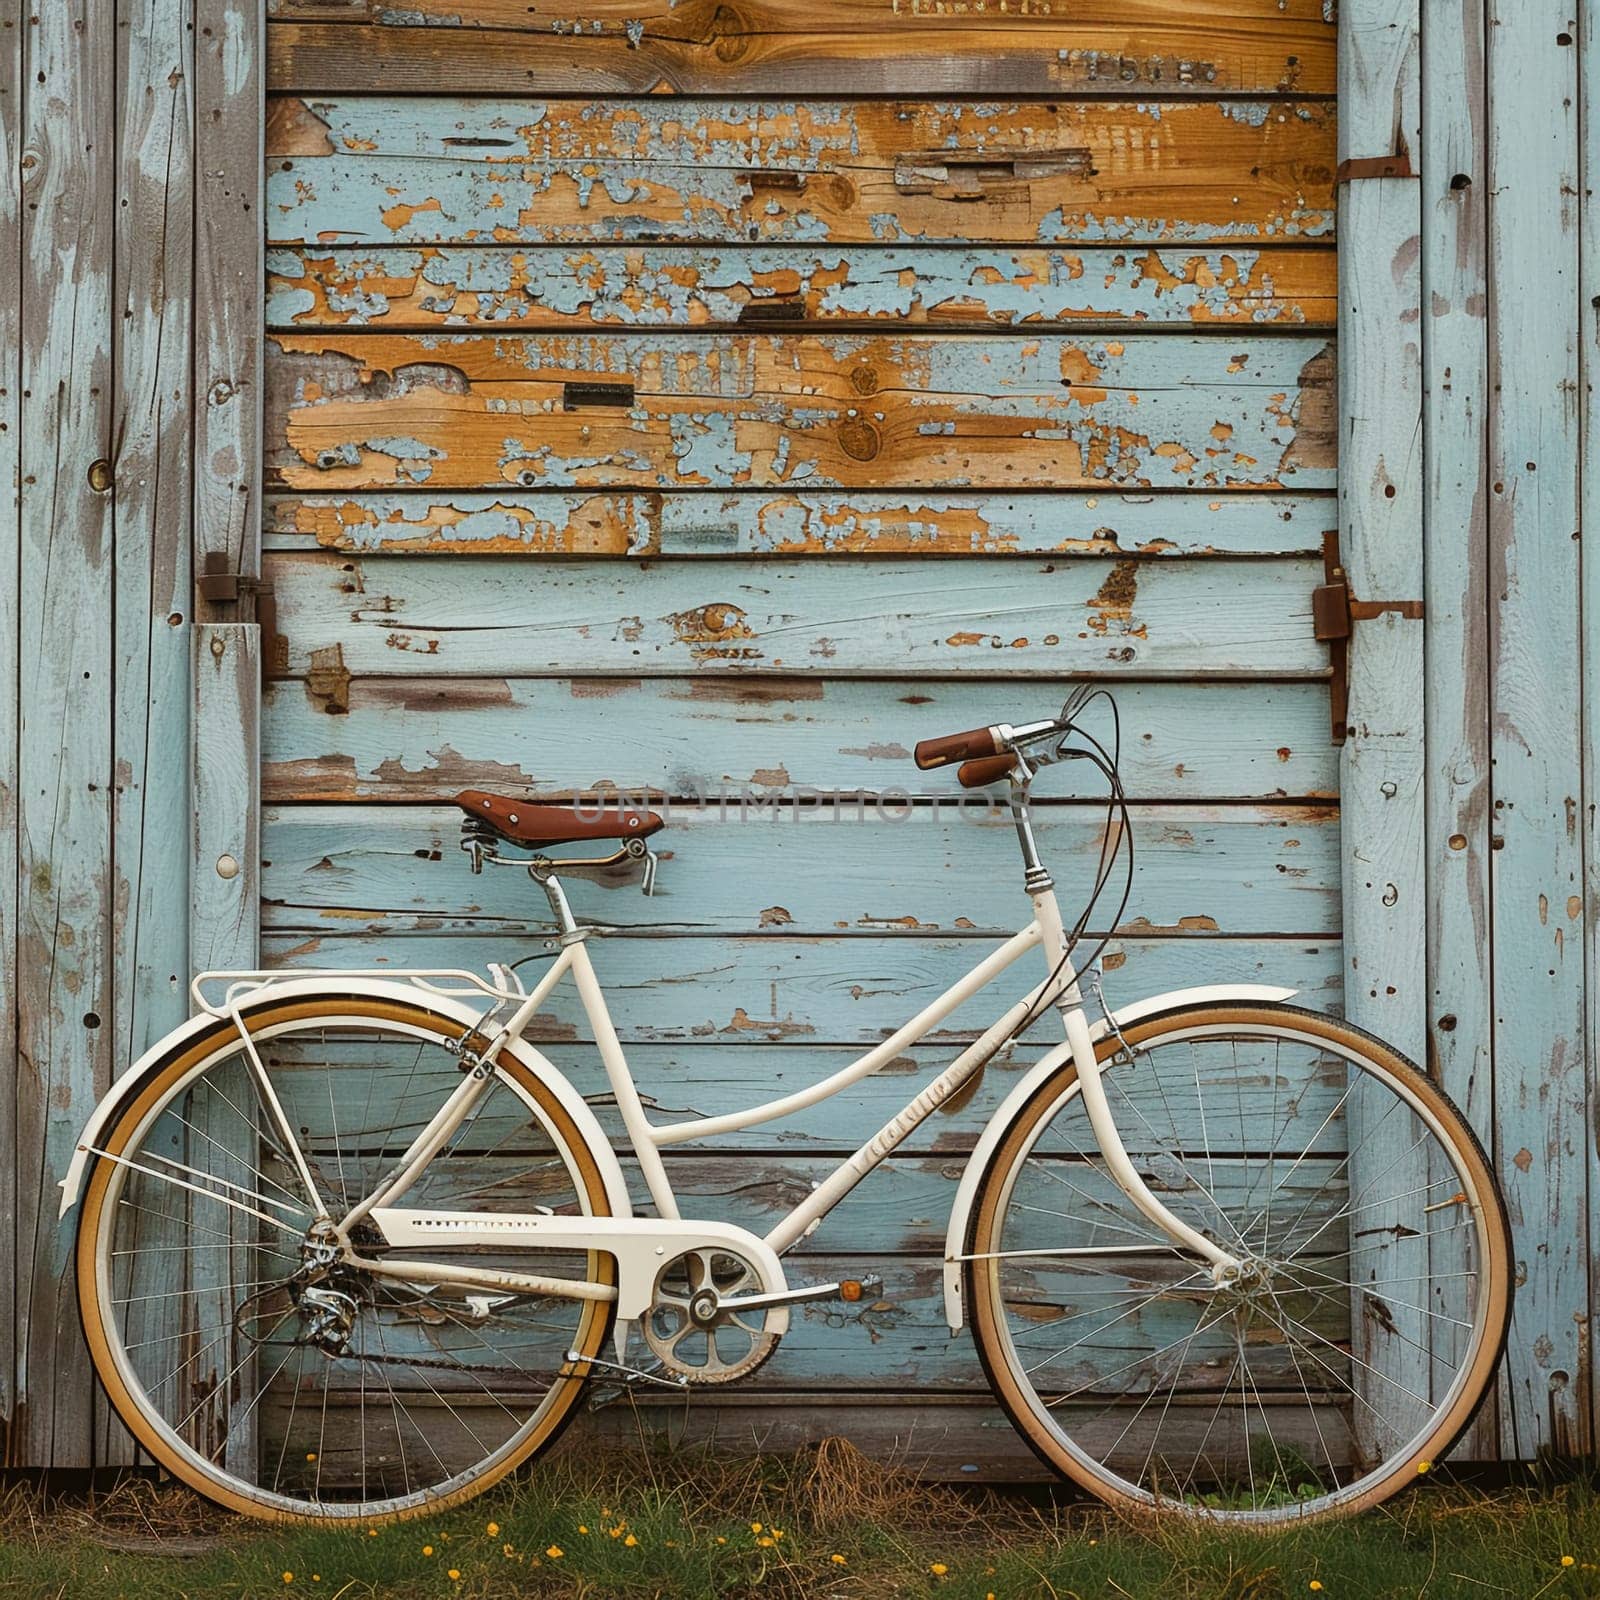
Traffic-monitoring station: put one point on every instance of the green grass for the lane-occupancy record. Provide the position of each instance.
(688, 1526)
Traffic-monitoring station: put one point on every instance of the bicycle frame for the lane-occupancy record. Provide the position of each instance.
(640, 1244)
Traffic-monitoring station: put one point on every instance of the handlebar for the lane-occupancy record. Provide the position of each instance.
(988, 754)
(975, 744)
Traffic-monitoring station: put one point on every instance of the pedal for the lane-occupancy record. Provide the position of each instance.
(847, 1289)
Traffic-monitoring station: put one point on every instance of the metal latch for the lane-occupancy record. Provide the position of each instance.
(222, 586)
(1334, 614)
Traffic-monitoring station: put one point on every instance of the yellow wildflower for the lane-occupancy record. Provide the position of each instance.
(288, 1577)
(721, 1539)
(454, 1574)
(582, 1528)
(493, 1530)
(372, 1533)
(630, 1541)
(555, 1552)
(938, 1569)
(1315, 1584)
(1424, 1466)
(506, 1551)
(1568, 1561)
(427, 1549)
(755, 1527)
(838, 1561)
(765, 1542)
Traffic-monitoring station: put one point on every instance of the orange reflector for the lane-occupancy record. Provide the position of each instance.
(850, 1289)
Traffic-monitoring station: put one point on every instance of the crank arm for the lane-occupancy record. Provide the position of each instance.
(628, 1374)
(847, 1289)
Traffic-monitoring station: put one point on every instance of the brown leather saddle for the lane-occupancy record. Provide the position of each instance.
(526, 824)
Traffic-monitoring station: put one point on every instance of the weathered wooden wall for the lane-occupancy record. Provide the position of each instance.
(969, 352)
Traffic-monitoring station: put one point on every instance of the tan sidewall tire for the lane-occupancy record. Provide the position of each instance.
(589, 1339)
(982, 1277)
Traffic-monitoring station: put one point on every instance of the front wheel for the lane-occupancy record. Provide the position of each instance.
(1363, 1330)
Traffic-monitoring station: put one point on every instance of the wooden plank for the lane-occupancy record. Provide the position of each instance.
(797, 523)
(1380, 496)
(1456, 709)
(740, 992)
(835, 47)
(992, 617)
(425, 740)
(351, 411)
(585, 287)
(154, 268)
(750, 863)
(1536, 717)
(1589, 638)
(65, 1022)
(225, 884)
(961, 1438)
(228, 258)
(12, 80)
(430, 169)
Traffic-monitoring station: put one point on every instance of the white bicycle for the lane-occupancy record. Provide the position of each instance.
(350, 1247)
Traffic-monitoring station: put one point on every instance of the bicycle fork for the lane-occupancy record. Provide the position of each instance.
(1225, 1266)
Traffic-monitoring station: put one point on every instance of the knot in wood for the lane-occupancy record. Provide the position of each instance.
(859, 440)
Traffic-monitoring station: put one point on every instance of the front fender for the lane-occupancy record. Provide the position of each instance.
(447, 1007)
(955, 1243)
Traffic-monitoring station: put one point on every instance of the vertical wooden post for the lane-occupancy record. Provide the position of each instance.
(1589, 641)
(1380, 524)
(11, 75)
(65, 1023)
(1540, 1077)
(153, 407)
(1455, 362)
(229, 252)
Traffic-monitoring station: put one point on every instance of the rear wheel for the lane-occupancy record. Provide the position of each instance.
(1362, 1331)
(331, 1393)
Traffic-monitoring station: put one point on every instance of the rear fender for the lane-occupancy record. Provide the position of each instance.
(447, 1008)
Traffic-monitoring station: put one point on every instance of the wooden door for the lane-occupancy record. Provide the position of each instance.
(687, 398)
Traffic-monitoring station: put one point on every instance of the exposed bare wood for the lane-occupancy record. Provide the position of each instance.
(669, 286)
(799, 523)
(352, 410)
(833, 47)
(422, 170)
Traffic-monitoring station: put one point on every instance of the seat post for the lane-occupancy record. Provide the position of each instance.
(557, 896)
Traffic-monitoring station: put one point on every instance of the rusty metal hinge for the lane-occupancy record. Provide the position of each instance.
(1359, 167)
(222, 586)
(1334, 614)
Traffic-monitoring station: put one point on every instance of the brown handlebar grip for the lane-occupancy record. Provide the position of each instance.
(975, 774)
(973, 744)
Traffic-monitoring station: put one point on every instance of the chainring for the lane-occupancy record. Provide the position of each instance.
(693, 1333)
